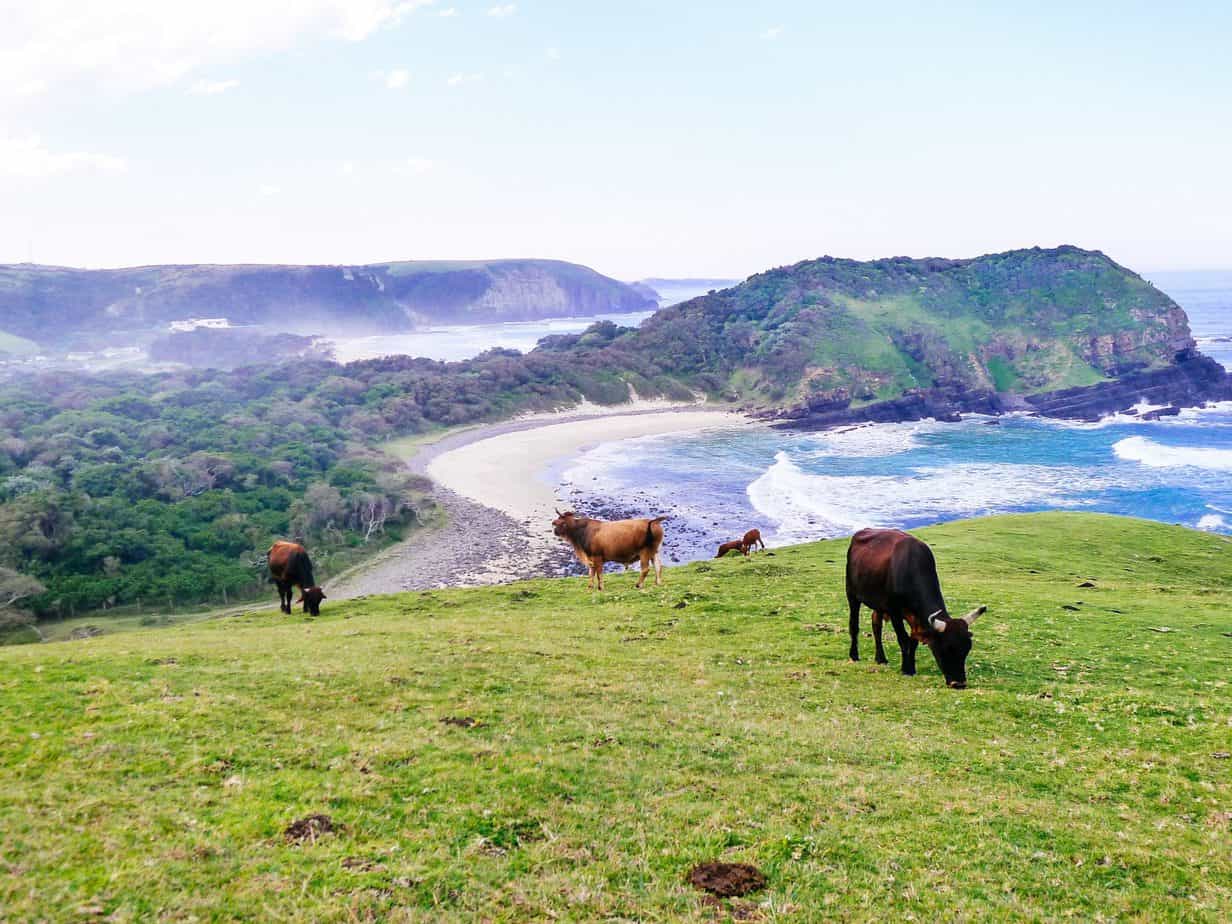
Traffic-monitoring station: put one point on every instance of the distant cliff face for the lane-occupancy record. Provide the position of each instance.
(506, 290)
(55, 304)
(835, 333)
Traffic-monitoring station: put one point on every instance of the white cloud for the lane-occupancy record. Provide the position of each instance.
(347, 168)
(397, 79)
(268, 189)
(127, 45)
(212, 87)
(448, 12)
(415, 166)
(457, 80)
(772, 33)
(553, 53)
(502, 11)
(28, 157)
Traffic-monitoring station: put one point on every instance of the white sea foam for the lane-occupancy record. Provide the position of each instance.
(1213, 522)
(805, 504)
(1156, 455)
(866, 440)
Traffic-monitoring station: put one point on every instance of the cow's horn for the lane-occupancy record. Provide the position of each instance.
(558, 513)
(939, 625)
(975, 614)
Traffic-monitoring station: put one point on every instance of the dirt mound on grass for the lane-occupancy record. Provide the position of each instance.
(727, 879)
(309, 828)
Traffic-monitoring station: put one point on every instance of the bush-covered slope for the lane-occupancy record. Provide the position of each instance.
(600, 746)
(1025, 321)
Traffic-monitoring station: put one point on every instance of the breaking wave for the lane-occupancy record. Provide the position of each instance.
(805, 504)
(1147, 452)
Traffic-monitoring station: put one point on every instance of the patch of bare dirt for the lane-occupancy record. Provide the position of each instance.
(461, 721)
(309, 829)
(727, 879)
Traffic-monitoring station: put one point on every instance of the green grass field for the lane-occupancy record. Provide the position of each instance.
(603, 745)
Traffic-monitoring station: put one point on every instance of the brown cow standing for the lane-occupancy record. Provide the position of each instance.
(736, 546)
(290, 566)
(596, 542)
(894, 574)
(752, 538)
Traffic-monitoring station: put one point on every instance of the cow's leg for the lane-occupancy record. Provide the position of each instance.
(658, 566)
(644, 559)
(878, 619)
(853, 625)
(905, 643)
(597, 564)
(284, 596)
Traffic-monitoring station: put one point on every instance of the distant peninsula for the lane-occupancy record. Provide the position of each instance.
(52, 305)
(1061, 331)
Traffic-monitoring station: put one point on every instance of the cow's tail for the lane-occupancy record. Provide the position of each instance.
(650, 524)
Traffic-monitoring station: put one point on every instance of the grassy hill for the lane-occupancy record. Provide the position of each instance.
(833, 330)
(532, 751)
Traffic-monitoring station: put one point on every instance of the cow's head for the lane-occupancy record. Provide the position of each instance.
(563, 524)
(950, 642)
(311, 598)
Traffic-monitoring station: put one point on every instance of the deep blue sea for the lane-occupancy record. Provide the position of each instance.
(797, 487)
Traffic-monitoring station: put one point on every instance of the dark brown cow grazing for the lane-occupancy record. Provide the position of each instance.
(736, 546)
(596, 542)
(289, 566)
(894, 574)
(752, 538)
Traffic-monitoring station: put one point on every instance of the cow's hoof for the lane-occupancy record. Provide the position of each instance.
(882, 661)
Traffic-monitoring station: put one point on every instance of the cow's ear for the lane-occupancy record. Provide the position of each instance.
(322, 595)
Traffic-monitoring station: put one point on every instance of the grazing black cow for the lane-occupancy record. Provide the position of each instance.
(894, 574)
(289, 566)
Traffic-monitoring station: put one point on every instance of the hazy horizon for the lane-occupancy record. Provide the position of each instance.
(681, 277)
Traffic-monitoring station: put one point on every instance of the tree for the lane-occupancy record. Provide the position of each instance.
(15, 587)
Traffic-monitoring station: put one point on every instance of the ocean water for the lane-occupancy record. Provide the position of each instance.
(797, 486)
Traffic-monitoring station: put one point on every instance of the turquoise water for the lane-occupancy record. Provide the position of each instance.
(797, 487)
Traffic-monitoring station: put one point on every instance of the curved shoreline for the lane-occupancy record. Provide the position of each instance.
(497, 529)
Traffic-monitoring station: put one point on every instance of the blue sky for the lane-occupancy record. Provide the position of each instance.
(639, 138)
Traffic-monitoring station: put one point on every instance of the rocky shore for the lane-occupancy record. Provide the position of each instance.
(1193, 380)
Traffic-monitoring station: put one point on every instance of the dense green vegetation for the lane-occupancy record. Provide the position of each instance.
(121, 488)
(616, 740)
(168, 489)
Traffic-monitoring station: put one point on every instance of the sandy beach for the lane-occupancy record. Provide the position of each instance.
(506, 471)
(495, 475)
